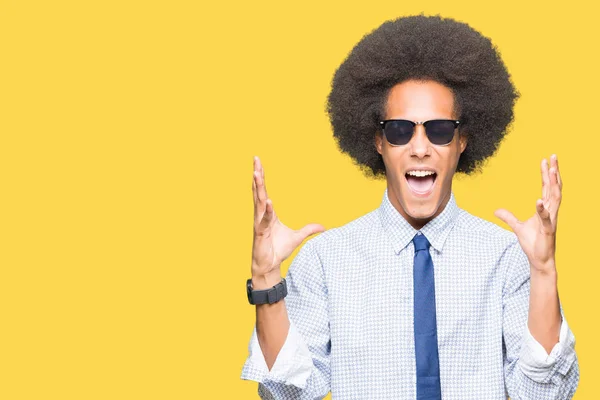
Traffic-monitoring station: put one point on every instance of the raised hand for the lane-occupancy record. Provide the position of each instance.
(273, 241)
(537, 235)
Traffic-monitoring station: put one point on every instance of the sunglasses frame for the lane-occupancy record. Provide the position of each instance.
(414, 124)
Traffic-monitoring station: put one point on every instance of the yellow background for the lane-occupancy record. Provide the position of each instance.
(127, 135)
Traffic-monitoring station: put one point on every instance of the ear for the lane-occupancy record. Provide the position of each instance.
(378, 142)
(463, 142)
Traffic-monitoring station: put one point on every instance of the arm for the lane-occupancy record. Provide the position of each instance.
(530, 372)
(544, 318)
(272, 323)
(533, 321)
(301, 368)
(288, 363)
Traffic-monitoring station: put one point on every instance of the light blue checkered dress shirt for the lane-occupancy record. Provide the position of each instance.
(350, 304)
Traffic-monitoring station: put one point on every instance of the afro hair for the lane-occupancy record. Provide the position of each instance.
(422, 48)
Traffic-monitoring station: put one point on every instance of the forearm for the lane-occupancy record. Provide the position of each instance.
(544, 319)
(289, 348)
(272, 322)
(539, 362)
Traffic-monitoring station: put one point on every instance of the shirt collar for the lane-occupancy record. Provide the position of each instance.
(401, 232)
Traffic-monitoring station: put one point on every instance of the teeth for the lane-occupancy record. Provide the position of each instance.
(420, 173)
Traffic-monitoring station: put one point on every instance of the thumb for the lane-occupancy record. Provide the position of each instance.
(544, 215)
(308, 230)
(508, 218)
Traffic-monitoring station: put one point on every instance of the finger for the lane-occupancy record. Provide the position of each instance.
(544, 215)
(555, 191)
(259, 167)
(254, 195)
(308, 230)
(259, 204)
(554, 164)
(269, 215)
(261, 170)
(260, 188)
(254, 191)
(508, 218)
(545, 180)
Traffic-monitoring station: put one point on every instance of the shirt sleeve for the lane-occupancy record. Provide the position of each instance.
(538, 364)
(301, 369)
(293, 365)
(531, 373)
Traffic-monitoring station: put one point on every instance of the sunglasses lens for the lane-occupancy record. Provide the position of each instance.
(398, 132)
(440, 132)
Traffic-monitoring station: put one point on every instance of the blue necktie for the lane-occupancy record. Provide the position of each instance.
(426, 346)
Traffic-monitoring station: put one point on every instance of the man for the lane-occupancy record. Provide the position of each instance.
(418, 298)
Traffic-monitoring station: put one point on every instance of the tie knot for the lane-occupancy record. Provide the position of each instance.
(421, 242)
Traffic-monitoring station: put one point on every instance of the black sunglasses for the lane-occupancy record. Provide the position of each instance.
(398, 132)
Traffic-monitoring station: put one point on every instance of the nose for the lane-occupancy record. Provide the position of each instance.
(419, 144)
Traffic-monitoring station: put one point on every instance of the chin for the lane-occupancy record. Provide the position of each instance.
(419, 206)
(421, 211)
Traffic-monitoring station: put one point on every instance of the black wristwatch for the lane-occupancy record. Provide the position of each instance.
(267, 296)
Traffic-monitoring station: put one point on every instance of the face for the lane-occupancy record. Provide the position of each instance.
(420, 199)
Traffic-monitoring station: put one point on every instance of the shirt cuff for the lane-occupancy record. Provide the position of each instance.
(292, 366)
(542, 367)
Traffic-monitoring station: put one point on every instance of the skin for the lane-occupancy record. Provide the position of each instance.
(273, 241)
(420, 101)
(537, 237)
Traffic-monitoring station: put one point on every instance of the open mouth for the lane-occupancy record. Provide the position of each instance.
(421, 182)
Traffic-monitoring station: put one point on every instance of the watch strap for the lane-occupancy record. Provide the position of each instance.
(267, 296)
